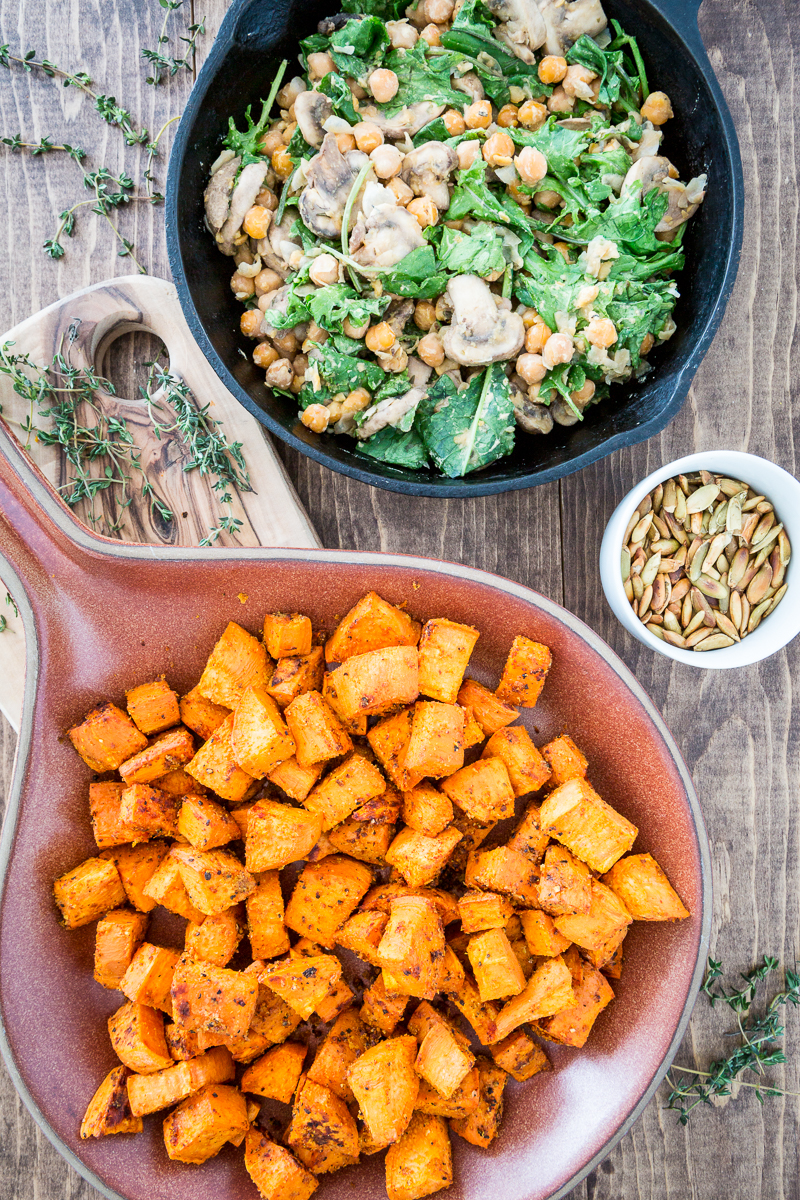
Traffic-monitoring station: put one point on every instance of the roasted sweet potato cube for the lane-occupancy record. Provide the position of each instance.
(216, 938)
(214, 879)
(645, 890)
(529, 837)
(340, 997)
(88, 891)
(276, 1073)
(526, 768)
(388, 740)
(362, 933)
(495, 966)
(119, 934)
(488, 710)
(572, 1025)
(347, 787)
(425, 1017)
(109, 1110)
(213, 999)
(525, 671)
(273, 1018)
(182, 1043)
(105, 799)
(165, 753)
(444, 651)
(278, 834)
(372, 624)
(421, 1162)
(344, 1043)
(354, 725)
(166, 887)
(296, 780)
(106, 737)
(381, 810)
(238, 661)
(418, 858)
(565, 760)
(483, 790)
(295, 675)
(149, 1093)
(147, 812)
(325, 895)
(577, 817)
(459, 988)
(287, 634)
(609, 957)
(542, 937)
(148, 978)
(412, 946)
(303, 982)
(385, 1085)
(481, 1126)
(382, 896)
(427, 810)
(363, 841)
(606, 919)
(520, 1055)
(136, 866)
(473, 733)
(484, 910)
(179, 783)
(205, 823)
(318, 733)
(564, 884)
(267, 932)
(153, 706)
(137, 1035)
(436, 745)
(382, 1009)
(376, 682)
(548, 990)
(200, 1126)
(216, 767)
(202, 716)
(276, 1173)
(322, 1132)
(503, 870)
(260, 737)
(459, 1103)
(442, 1060)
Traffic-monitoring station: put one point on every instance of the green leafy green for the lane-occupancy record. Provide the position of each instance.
(394, 385)
(480, 252)
(328, 306)
(474, 17)
(623, 40)
(247, 142)
(416, 275)
(549, 285)
(560, 146)
(398, 449)
(434, 131)
(468, 429)
(298, 147)
(341, 97)
(421, 78)
(473, 197)
(313, 45)
(358, 47)
(630, 221)
(564, 378)
(387, 10)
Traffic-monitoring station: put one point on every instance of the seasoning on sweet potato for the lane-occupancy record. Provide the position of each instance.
(149, 1093)
(526, 768)
(362, 933)
(484, 910)
(339, 998)
(322, 1132)
(343, 1044)
(524, 673)
(572, 1025)
(565, 760)
(482, 1126)
(215, 939)
(287, 634)
(273, 1018)
(276, 1173)
(421, 1162)
(260, 738)
(356, 725)
(464, 994)
(529, 837)
(381, 897)
(278, 834)
(382, 1009)
(443, 1061)
(412, 946)
(318, 733)
(645, 890)
(520, 1055)
(548, 990)
(202, 716)
(389, 739)
(325, 895)
(276, 1073)
(494, 964)
(146, 812)
(214, 879)
(425, 1017)
(483, 790)
(105, 799)
(436, 745)
(182, 1043)
(385, 1085)
(463, 1100)
(302, 982)
(88, 891)
(488, 710)
(106, 737)
(361, 840)
(215, 765)
(153, 707)
(213, 999)
(542, 937)
(166, 752)
(199, 1127)
(504, 870)
(444, 651)
(426, 809)
(372, 624)
(564, 883)
(136, 866)
(109, 1110)
(166, 887)
(205, 823)
(179, 783)
(577, 817)
(296, 780)
(237, 661)
(265, 927)
(137, 1035)
(376, 682)
(148, 978)
(345, 788)
(609, 958)
(118, 936)
(295, 675)
(606, 918)
(420, 859)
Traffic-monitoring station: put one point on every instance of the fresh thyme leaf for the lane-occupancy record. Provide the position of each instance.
(165, 64)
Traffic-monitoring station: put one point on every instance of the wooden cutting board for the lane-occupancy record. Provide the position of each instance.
(83, 326)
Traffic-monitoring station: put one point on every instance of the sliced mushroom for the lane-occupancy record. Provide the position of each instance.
(408, 121)
(568, 20)
(533, 418)
(243, 197)
(655, 171)
(648, 145)
(277, 248)
(217, 195)
(329, 25)
(480, 332)
(390, 233)
(470, 85)
(329, 180)
(419, 372)
(311, 110)
(427, 170)
(389, 412)
(521, 28)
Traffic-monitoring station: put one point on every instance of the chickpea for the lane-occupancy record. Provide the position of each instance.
(267, 199)
(531, 368)
(356, 91)
(417, 14)
(297, 384)
(529, 317)
(356, 401)
(250, 322)
(402, 35)
(516, 193)
(289, 132)
(315, 418)
(498, 150)
(533, 392)
(324, 270)
(300, 364)
(282, 164)
(386, 161)
(563, 250)
(402, 191)
(531, 164)
(395, 361)
(559, 101)
(320, 64)
(516, 94)
(424, 210)
(380, 337)
(454, 123)
(257, 221)
(467, 152)
(657, 108)
(532, 114)
(508, 117)
(334, 411)
(241, 286)
(547, 199)
(244, 255)
(584, 394)
(431, 35)
(557, 349)
(648, 341)
(383, 84)
(424, 315)
(459, 224)
(345, 142)
(265, 355)
(290, 91)
(536, 336)
(601, 331)
(285, 342)
(266, 301)
(576, 83)
(431, 350)
(478, 115)
(280, 374)
(368, 137)
(552, 68)
(354, 331)
(439, 11)
(315, 334)
(271, 142)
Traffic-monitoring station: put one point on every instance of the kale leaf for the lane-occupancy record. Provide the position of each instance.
(421, 78)
(464, 431)
(480, 252)
(416, 275)
(340, 372)
(358, 47)
(560, 146)
(549, 285)
(387, 10)
(472, 197)
(399, 449)
(341, 97)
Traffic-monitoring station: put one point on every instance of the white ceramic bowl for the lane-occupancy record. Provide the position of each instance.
(781, 488)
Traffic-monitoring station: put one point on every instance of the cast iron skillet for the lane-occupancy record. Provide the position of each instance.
(256, 35)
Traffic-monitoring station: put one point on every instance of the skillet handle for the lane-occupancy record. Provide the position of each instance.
(682, 16)
(253, 23)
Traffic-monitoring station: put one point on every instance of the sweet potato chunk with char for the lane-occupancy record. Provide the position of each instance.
(525, 671)
(149, 1093)
(213, 999)
(520, 1055)
(483, 790)
(278, 834)
(495, 966)
(105, 799)
(373, 624)
(268, 936)
(572, 1025)
(412, 947)
(276, 1074)
(607, 918)
(303, 982)
(565, 760)
(215, 765)
(318, 733)
(528, 837)
(382, 1009)
(347, 787)
(322, 1133)
(418, 858)
(421, 1162)
(165, 753)
(436, 745)
(202, 716)
(548, 990)
(354, 725)
(487, 709)
(389, 739)
(481, 1126)
(484, 910)
(109, 1110)
(325, 895)
(136, 866)
(179, 783)
(295, 675)
(564, 884)
(88, 891)
(382, 896)
(294, 779)
(344, 1043)
(541, 935)
(362, 840)
(287, 634)
(119, 934)
(273, 1019)
(216, 938)
(459, 1103)
(464, 994)
(503, 870)
(137, 1035)
(214, 879)
(376, 682)
(427, 810)
(385, 1085)
(106, 737)
(362, 933)
(526, 768)
(166, 887)
(147, 812)
(182, 1043)
(238, 661)
(260, 737)
(577, 817)
(645, 890)
(444, 651)
(153, 707)
(148, 978)
(443, 1061)
(340, 997)
(276, 1173)
(206, 824)
(199, 1128)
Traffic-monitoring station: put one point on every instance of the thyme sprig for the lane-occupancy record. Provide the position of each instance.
(4, 619)
(166, 64)
(758, 1036)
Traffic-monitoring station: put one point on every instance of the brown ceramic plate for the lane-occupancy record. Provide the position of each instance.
(102, 616)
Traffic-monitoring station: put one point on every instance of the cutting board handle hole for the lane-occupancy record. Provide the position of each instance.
(123, 356)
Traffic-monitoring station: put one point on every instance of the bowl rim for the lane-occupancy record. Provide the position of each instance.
(764, 641)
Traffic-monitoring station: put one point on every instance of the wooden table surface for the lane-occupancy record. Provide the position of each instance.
(737, 730)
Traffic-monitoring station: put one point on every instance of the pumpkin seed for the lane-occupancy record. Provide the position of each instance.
(778, 568)
(683, 484)
(680, 589)
(641, 528)
(748, 527)
(759, 584)
(670, 496)
(647, 505)
(628, 586)
(680, 506)
(662, 526)
(697, 562)
(699, 602)
(776, 599)
(676, 530)
(751, 503)
(671, 622)
(664, 546)
(726, 625)
(757, 615)
(661, 593)
(686, 610)
(764, 507)
(658, 497)
(717, 641)
(634, 521)
(763, 527)
(695, 623)
(784, 545)
(650, 569)
(738, 566)
(638, 586)
(712, 588)
(656, 632)
(766, 541)
(654, 618)
(718, 517)
(745, 616)
(717, 546)
(644, 603)
(674, 639)
(736, 609)
(730, 487)
(702, 499)
(625, 562)
(698, 635)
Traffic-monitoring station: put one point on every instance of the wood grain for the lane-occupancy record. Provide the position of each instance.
(737, 730)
